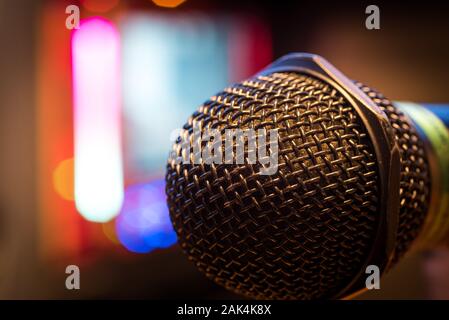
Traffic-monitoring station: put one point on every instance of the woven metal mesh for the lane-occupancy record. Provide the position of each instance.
(303, 232)
(415, 176)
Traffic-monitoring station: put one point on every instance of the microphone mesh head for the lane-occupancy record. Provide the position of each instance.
(305, 231)
(415, 175)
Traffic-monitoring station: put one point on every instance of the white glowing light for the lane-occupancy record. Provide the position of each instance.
(164, 75)
(97, 120)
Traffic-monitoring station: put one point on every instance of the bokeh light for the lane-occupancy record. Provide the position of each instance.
(168, 3)
(109, 231)
(164, 75)
(144, 222)
(97, 120)
(63, 180)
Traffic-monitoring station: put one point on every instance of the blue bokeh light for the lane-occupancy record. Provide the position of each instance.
(144, 222)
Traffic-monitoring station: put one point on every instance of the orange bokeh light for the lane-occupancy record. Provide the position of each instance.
(63, 179)
(109, 231)
(168, 3)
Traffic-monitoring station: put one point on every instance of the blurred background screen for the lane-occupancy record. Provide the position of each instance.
(88, 115)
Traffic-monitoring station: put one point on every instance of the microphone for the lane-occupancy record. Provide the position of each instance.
(359, 181)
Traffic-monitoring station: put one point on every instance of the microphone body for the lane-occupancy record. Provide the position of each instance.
(359, 181)
(440, 110)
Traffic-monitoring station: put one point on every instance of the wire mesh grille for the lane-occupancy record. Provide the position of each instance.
(303, 232)
(415, 176)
